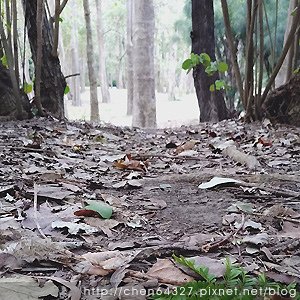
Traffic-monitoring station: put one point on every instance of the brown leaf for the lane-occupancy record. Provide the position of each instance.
(165, 271)
(189, 145)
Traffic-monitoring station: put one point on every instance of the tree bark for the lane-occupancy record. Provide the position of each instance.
(119, 75)
(102, 66)
(75, 68)
(129, 46)
(91, 64)
(144, 103)
(8, 99)
(172, 73)
(285, 72)
(211, 104)
(39, 55)
(53, 82)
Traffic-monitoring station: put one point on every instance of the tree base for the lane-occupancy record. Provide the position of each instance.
(283, 104)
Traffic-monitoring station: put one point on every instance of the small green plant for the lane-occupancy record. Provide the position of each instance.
(236, 284)
(211, 67)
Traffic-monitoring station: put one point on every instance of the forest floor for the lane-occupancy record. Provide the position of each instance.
(96, 212)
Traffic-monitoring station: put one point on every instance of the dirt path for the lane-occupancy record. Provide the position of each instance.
(150, 179)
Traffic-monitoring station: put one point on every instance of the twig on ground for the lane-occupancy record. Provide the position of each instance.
(35, 200)
(213, 245)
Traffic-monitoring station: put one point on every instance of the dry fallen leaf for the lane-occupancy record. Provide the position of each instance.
(109, 261)
(189, 145)
(165, 271)
(130, 164)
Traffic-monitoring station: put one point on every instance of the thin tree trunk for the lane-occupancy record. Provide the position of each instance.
(82, 75)
(39, 55)
(144, 103)
(120, 83)
(129, 46)
(172, 73)
(102, 66)
(233, 50)
(56, 28)
(286, 70)
(75, 68)
(15, 38)
(91, 64)
(211, 104)
(258, 110)
(249, 68)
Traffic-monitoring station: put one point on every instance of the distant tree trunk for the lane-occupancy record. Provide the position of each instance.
(53, 82)
(75, 68)
(91, 64)
(102, 65)
(172, 73)
(212, 105)
(285, 72)
(82, 74)
(120, 83)
(144, 103)
(129, 57)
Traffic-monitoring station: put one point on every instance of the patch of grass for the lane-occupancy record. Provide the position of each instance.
(236, 284)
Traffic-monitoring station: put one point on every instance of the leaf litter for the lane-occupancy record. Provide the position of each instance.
(85, 206)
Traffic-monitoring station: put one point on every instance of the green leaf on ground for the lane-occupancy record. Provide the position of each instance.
(100, 207)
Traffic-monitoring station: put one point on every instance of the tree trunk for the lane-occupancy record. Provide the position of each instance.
(53, 82)
(119, 75)
(285, 72)
(102, 66)
(75, 68)
(129, 57)
(8, 101)
(91, 64)
(172, 73)
(211, 104)
(82, 74)
(144, 103)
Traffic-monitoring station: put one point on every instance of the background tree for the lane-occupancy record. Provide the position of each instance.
(129, 61)
(75, 67)
(211, 104)
(102, 64)
(286, 70)
(144, 102)
(91, 68)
